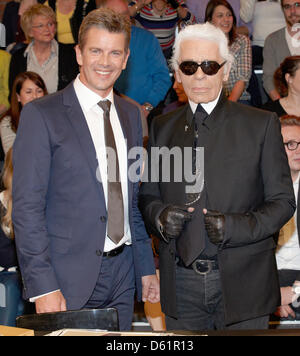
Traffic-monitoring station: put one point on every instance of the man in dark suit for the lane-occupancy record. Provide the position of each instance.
(288, 249)
(217, 262)
(80, 237)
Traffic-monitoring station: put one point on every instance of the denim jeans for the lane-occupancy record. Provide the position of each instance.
(200, 304)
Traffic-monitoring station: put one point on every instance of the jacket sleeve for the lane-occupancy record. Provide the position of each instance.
(279, 201)
(32, 162)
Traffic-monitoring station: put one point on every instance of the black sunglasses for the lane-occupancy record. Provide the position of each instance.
(208, 67)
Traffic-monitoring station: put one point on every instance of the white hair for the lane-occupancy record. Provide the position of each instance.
(205, 31)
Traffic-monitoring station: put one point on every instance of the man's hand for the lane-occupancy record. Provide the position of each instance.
(215, 226)
(173, 220)
(151, 290)
(50, 303)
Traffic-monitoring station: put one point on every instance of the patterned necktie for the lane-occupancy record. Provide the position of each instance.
(115, 206)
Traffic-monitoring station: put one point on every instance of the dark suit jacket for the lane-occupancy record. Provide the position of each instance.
(59, 210)
(67, 65)
(247, 178)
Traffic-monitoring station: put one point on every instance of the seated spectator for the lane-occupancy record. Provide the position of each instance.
(54, 62)
(221, 14)
(27, 87)
(266, 17)
(281, 44)
(146, 77)
(4, 92)
(162, 17)
(13, 11)
(69, 15)
(287, 84)
(8, 255)
(288, 250)
(198, 7)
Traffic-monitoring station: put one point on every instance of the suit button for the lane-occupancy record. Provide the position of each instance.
(99, 253)
(103, 219)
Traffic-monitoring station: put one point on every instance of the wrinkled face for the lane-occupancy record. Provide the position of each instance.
(292, 133)
(200, 87)
(29, 92)
(102, 59)
(43, 29)
(291, 10)
(222, 18)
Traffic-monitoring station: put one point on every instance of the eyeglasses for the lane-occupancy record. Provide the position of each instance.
(208, 67)
(289, 6)
(42, 26)
(292, 145)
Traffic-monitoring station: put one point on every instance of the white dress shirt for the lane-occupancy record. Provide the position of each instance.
(288, 250)
(88, 101)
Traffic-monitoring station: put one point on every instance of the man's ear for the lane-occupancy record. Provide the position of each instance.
(78, 55)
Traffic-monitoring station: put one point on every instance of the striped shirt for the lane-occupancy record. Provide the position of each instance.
(163, 27)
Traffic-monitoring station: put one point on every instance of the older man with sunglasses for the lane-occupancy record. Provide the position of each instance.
(217, 263)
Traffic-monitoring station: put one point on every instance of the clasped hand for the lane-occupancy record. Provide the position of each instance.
(215, 226)
(173, 219)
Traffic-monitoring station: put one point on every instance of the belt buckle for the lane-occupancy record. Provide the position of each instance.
(197, 263)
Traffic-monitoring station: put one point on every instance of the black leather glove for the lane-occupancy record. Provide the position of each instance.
(173, 3)
(173, 219)
(215, 226)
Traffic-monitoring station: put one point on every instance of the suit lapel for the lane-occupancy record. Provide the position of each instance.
(78, 122)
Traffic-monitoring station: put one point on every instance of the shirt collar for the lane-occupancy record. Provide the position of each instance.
(208, 107)
(54, 48)
(87, 97)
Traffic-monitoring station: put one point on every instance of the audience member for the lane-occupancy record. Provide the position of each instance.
(162, 17)
(13, 11)
(182, 98)
(69, 15)
(4, 70)
(281, 44)
(288, 250)
(221, 14)
(287, 84)
(27, 87)
(146, 77)
(267, 17)
(8, 254)
(198, 9)
(54, 62)
(216, 253)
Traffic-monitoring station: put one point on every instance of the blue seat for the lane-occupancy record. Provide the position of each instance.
(12, 304)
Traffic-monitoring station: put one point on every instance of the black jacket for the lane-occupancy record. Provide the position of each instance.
(247, 178)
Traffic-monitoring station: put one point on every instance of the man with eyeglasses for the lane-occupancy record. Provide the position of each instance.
(288, 249)
(281, 44)
(217, 260)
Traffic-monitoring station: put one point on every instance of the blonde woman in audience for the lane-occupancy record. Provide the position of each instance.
(27, 87)
(69, 15)
(54, 62)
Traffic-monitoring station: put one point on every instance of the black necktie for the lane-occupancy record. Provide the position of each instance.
(115, 206)
(200, 115)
